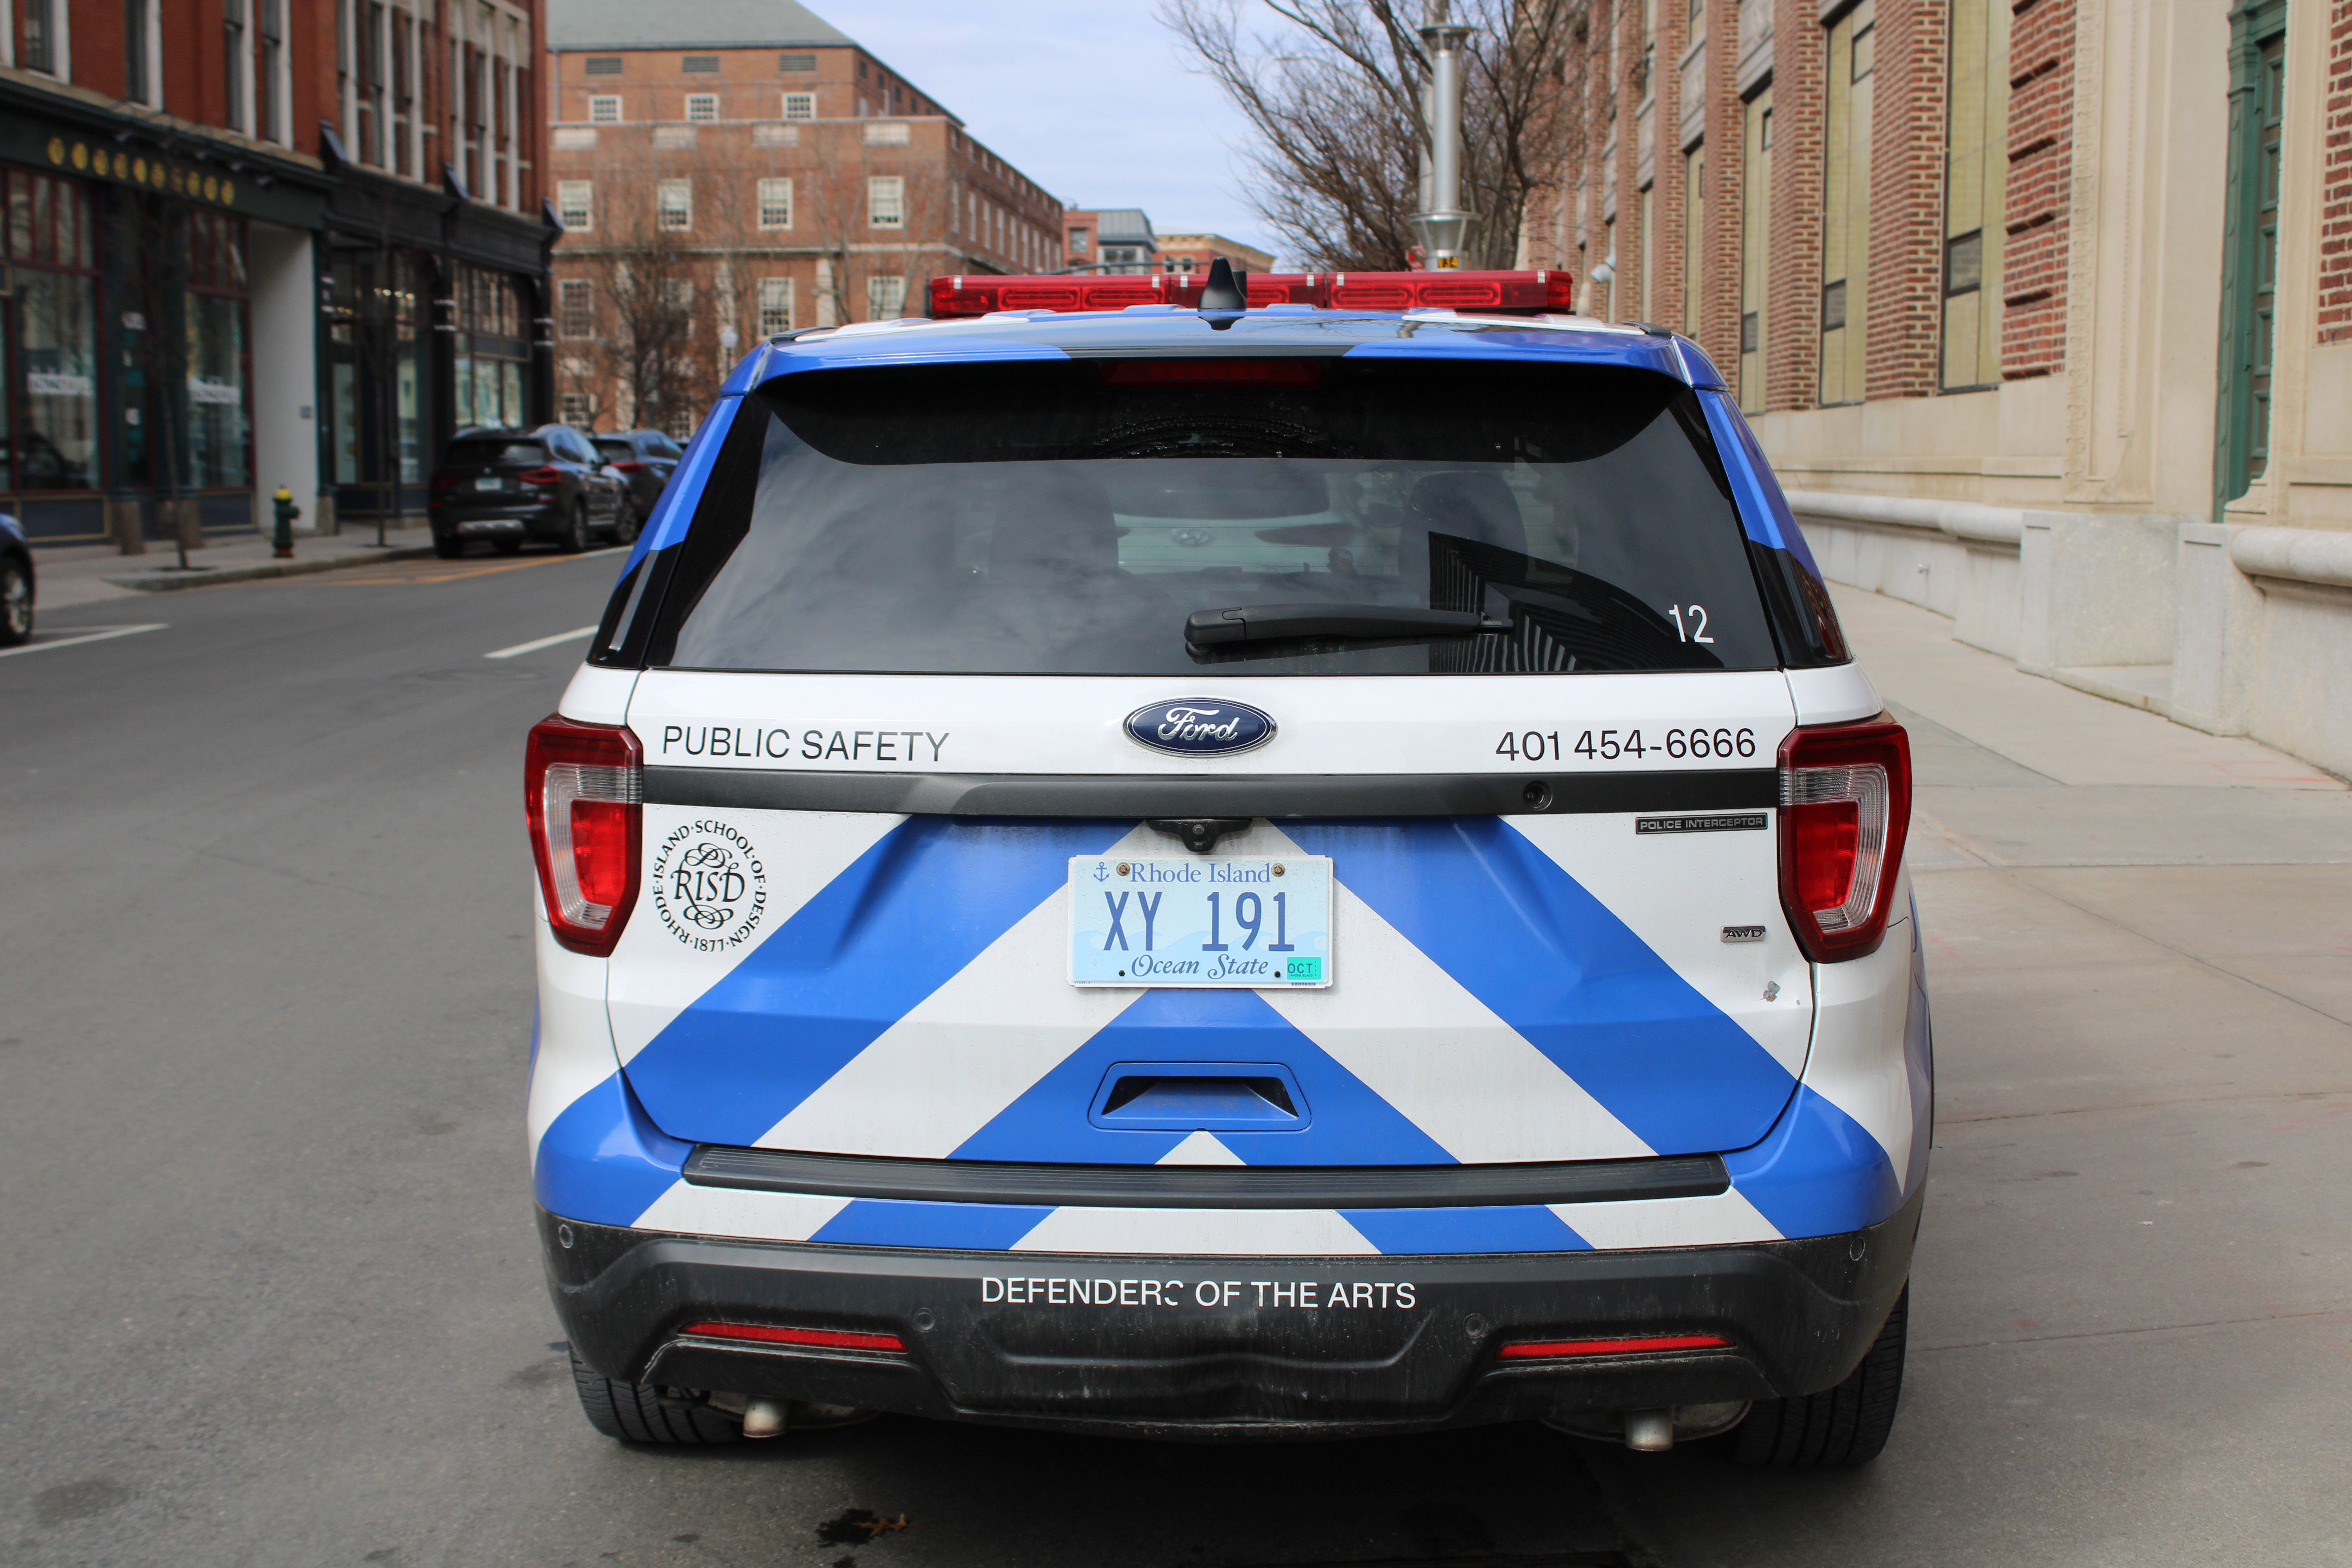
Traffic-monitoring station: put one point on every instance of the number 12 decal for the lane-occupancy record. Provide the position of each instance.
(1696, 630)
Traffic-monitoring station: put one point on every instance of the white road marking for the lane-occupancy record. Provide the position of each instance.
(523, 648)
(100, 634)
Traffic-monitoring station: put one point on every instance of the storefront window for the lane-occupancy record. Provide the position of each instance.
(219, 429)
(50, 384)
(493, 348)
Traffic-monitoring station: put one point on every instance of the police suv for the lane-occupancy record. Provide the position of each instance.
(1150, 859)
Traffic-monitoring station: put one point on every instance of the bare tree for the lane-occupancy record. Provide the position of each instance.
(1334, 97)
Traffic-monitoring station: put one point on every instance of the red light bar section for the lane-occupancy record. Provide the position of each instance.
(1198, 371)
(1562, 1350)
(1521, 294)
(825, 1338)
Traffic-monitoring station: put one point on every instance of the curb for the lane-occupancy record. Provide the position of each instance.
(161, 583)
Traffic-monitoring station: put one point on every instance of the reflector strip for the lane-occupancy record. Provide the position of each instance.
(828, 1339)
(1564, 1350)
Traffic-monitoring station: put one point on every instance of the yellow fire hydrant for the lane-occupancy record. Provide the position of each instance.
(287, 512)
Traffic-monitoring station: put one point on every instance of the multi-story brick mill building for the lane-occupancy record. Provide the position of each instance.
(2042, 308)
(255, 243)
(732, 168)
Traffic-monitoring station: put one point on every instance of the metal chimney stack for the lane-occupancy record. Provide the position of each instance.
(1441, 223)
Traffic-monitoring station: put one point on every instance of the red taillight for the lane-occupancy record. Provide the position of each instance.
(1648, 1344)
(1512, 293)
(1203, 371)
(583, 786)
(548, 475)
(1845, 809)
(827, 1339)
(630, 466)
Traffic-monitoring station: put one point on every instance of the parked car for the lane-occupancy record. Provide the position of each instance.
(16, 584)
(505, 487)
(645, 460)
(1230, 874)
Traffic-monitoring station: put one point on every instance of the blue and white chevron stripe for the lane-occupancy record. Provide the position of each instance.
(910, 999)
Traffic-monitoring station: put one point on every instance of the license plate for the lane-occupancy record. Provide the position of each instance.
(1200, 921)
(489, 484)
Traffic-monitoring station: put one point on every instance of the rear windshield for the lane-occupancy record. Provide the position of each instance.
(1069, 518)
(470, 453)
(616, 450)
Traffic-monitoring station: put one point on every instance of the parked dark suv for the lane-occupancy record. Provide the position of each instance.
(507, 486)
(16, 584)
(646, 458)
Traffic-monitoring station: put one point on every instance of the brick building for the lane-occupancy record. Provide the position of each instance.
(1109, 240)
(732, 168)
(349, 185)
(1194, 252)
(2043, 309)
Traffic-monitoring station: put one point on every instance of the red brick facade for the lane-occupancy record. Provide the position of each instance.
(1793, 347)
(1727, 167)
(2336, 189)
(2041, 163)
(1906, 198)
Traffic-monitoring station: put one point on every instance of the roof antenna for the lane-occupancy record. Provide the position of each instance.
(1225, 289)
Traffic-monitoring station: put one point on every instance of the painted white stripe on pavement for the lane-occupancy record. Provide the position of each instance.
(100, 635)
(1218, 1233)
(523, 648)
(953, 1062)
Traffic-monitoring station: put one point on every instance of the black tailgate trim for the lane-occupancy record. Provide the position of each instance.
(1206, 1186)
(1274, 795)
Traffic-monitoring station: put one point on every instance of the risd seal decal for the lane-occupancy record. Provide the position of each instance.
(711, 887)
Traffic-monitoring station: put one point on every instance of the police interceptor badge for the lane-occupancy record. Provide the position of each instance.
(710, 886)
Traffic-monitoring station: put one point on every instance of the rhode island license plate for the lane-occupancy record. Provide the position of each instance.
(1200, 921)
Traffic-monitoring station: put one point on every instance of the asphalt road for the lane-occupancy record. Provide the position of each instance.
(270, 1293)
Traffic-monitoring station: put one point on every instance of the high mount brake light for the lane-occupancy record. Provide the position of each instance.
(1845, 809)
(1200, 372)
(1509, 293)
(584, 786)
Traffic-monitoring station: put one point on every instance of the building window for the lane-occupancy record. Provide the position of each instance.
(575, 314)
(574, 405)
(1078, 242)
(775, 306)
(1755, 249)
(39, 50)
(53, 383)
(575, 205)
(219, 434)
(233, 63)
(703, 106)
(136, 70)
(1976, 164)
(886, 299)
(680, 425)
(886, 201)
(796, 62)
(699, 65)
(269, 103)
(776, 202)
(605, 109)
(800, 106)
(1693, 235)
(603, 64)
(1846, 204)
(674, 203)
(886, 133)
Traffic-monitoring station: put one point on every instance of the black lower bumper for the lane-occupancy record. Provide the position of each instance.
(1228, 1347)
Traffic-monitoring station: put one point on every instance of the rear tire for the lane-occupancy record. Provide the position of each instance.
(625, 525)
(575, 531)
(15, 603)
(1840, 1426)
(633, 1412)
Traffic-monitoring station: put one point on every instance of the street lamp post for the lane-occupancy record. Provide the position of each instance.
(1440, 226)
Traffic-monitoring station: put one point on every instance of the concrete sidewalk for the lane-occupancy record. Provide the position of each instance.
(86, 575)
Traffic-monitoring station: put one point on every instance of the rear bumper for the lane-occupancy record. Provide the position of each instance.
(1224, 1347)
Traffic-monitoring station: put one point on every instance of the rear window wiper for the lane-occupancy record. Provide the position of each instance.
(1342, 623)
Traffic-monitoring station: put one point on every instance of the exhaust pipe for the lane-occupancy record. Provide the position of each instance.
(767, 1418)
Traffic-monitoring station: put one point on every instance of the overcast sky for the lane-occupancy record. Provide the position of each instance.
(1090, 98)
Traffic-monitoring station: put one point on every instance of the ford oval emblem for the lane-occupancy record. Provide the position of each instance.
(1199, 727)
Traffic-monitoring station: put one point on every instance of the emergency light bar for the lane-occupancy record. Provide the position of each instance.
(1510, 293)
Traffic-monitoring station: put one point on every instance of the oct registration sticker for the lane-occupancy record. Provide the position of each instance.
(1200, 921)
